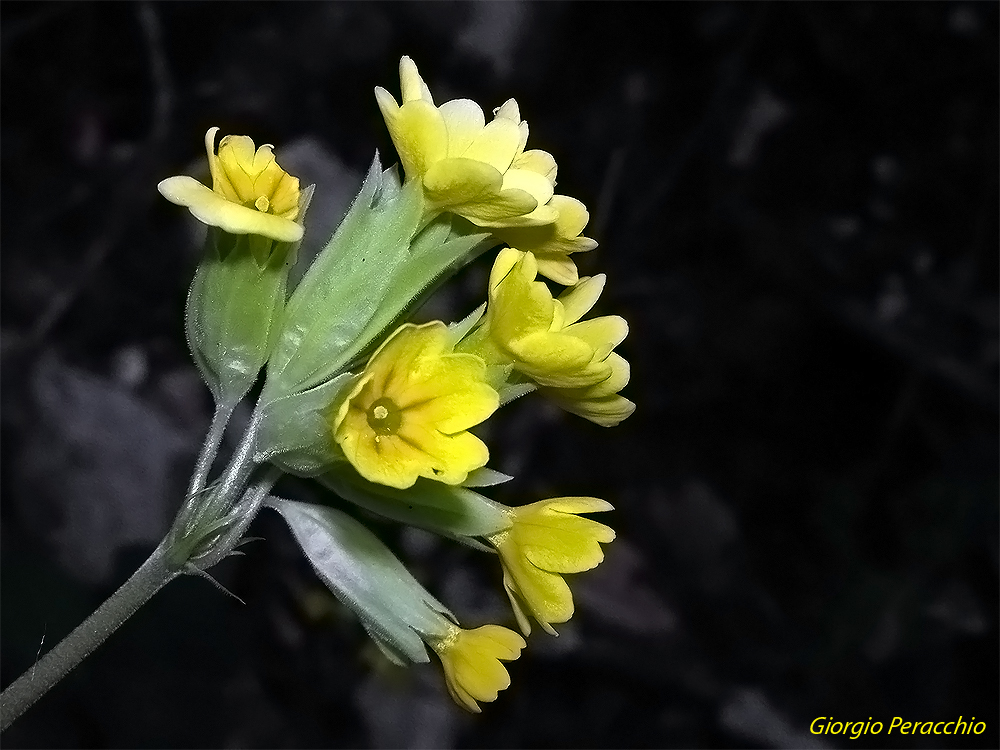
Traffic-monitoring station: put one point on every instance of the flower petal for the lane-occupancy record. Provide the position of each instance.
(213, 209)
(455, 182)
(464, 120)
(419, 134)
(496, 144)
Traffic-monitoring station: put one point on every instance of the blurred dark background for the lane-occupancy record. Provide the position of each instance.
(797, 209)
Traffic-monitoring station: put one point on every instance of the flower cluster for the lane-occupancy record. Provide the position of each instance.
(381, 410)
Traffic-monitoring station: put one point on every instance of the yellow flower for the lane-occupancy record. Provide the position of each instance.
(250, 193)
(471, 662)
(544, 338)
(477, 170)
(552, 244)
(546, 540)
(409, 412)
(599, 403)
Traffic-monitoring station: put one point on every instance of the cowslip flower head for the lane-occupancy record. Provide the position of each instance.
(546, 540)
(250, 194)
(552, 244)
(408, 414)
(471, 661)
(467, 166)
(544, 338)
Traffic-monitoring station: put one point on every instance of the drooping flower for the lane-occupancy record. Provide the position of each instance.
(599, 403)
(552, 244)
(250, 195)
(471, 661)
(408, 414)
(543, 338)
(467, 166)
(547, 540)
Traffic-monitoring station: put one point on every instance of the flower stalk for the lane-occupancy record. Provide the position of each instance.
(21, 694)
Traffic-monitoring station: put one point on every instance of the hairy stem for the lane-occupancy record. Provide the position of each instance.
(210, 448)
(151, 576)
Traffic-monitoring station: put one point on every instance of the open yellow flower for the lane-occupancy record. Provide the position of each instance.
(551, 244)
(546, 540)
(409, 412)
(544, 338)
(471, 661)
(467, 166)
(250, 193)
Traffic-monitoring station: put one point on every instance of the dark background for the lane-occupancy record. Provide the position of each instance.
(797, 210)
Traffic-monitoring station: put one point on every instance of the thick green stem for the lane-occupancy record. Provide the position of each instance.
(35, 682)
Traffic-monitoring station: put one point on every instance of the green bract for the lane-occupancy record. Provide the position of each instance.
(294, 432)
(379, 261)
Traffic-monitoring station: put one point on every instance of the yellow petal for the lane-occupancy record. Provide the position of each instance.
(606, 412)
(580, 505)
(419, 134)
(508, 206)
(496, 144)
(604, 333)
(579, 300)
(508, 111)
(464, 120)
(211, 208)
(454, 182)
(530, 182)
(471, 662)
(540, 216)
(411, 85)
(538, 161)
(559, 268)
(573, 215)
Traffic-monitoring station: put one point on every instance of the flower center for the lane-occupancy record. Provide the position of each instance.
(384, 416)
(262, 204)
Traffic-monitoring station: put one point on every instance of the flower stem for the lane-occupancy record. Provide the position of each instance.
(210, 448)
(151, 576)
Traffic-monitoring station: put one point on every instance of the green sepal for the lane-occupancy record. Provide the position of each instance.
(485, 477)
(455, 512)
(359, 569)
(379, 262)
(233, 314)
(295, 432)
(458, 331)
